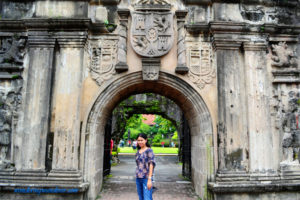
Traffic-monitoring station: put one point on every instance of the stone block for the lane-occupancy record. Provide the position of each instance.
(100, 14)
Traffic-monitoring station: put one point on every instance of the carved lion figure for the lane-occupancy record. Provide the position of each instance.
(282, 56)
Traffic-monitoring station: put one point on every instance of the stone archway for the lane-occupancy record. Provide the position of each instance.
(179, 91)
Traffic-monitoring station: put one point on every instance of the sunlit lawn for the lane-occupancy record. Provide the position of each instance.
(169, 150)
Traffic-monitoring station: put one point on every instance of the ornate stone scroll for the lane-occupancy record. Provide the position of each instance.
(103, 56)
(12, 51)
(152, 33)
(201, 71)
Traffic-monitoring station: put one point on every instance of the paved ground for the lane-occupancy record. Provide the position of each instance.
(171, 186)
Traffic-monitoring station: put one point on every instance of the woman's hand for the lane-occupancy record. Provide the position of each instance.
(149, 184)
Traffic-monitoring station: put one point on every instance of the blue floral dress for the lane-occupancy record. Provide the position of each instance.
(143, 161)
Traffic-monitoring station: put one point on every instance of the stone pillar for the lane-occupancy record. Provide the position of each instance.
(122, 44)
(232, 129)
(181, 49)
(259, 122)
(67, 100)
(30, 141)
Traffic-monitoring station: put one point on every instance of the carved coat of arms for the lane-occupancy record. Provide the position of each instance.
(152, 33)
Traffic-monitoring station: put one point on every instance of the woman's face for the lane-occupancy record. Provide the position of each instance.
(141, 142)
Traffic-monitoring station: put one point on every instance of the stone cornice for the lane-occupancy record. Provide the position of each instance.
(254, 186)
(242, 27)
(197, 28)
(51, 24)
(123, 13)
(255, 46)
(12, 25)
(225, 42)
(41, 42)
(290, 3)
(41, 179)
(105, 2)
(181, 14)
(71, 39)
(286, 76)
(57, 24)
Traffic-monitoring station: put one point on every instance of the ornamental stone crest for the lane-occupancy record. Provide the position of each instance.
(152, 33)
(103, 56)
(201, 71)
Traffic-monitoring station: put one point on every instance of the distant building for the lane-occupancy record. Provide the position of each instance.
(149, 119)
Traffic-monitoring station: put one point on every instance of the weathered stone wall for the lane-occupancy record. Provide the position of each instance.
(233, 67)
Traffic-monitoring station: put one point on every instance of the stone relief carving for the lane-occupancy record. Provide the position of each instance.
(283, 56)
(9, 104)
(152, 33)
(150, 68)
(102, 59)
(251, 13)
(291, 130)
(12, 51)
(201, 70)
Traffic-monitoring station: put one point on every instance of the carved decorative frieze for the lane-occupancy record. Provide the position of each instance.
(283, 56)
(201, 70)
(152, 33)
(10, 102)
(12, 51)
(103, 56)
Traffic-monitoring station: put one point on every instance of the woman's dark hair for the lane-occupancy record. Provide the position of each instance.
(143, 135)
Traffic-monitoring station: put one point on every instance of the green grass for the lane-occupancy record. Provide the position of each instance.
(168, 150)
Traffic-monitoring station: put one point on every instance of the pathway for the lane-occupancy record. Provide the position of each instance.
(171, 186)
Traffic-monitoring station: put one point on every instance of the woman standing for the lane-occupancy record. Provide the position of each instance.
(144, 169)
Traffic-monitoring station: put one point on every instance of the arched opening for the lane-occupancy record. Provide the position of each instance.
(192, 105)
(168, 133)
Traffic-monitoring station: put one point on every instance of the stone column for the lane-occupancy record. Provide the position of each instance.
(232, 129)
(259, 122)
(67, 100)
(122, 44)
(181, 49)
(30, 141)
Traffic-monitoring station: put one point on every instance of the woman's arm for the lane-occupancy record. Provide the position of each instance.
(149, 183)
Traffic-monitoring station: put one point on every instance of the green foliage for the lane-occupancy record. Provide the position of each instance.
(165, 126)
(298, 102)
(157, 138)
(156, 144)
(15, 76)
(175, 136)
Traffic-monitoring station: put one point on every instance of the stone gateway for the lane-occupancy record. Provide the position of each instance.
(233, 67)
